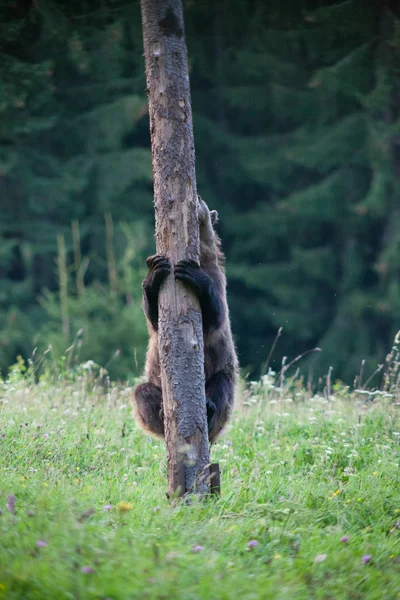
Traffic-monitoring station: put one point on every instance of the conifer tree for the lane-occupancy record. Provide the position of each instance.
(296, 116)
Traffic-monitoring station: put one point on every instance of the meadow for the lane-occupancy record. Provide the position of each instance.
(310, 503)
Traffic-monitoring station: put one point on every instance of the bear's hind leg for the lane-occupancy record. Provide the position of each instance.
(220, 392)
(149, 408)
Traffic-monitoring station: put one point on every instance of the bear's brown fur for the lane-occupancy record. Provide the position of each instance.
(208, 282)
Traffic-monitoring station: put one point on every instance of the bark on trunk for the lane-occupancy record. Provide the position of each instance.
(177, 236)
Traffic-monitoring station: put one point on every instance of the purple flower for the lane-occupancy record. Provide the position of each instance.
(31, 513)
(107, 507)
(228, 443)
(86, 570)
(197, 548)
(366, 558)
(398, 524)
(46, 435)
(345, 539)
(41, 544)
(11, 504)
(252, 544)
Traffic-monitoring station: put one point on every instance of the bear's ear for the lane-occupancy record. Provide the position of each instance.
(214, 216)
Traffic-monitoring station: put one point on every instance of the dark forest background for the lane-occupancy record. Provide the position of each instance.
(297, 130)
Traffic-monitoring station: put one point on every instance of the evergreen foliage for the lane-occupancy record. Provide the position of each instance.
(303, 141)
(296, 114)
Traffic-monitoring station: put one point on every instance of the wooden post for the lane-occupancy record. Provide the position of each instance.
(180, 331)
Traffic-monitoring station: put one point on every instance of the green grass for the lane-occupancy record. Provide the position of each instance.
(297, 475)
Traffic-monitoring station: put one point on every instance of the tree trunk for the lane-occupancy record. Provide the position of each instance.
(177, 236)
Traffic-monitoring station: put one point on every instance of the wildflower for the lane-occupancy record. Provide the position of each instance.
(252, 544)
(124, 506)
(366, 558)
(11, 504)
(41, 544)
(228, 443)
(277, 556)
(87, 570)
(197, 549)
(31, 513)
(320, 558)
(107, 507)
(345, 539)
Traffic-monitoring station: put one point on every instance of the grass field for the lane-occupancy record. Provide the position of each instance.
(310, 504)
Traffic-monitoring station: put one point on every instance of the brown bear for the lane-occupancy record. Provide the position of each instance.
(208, 282)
